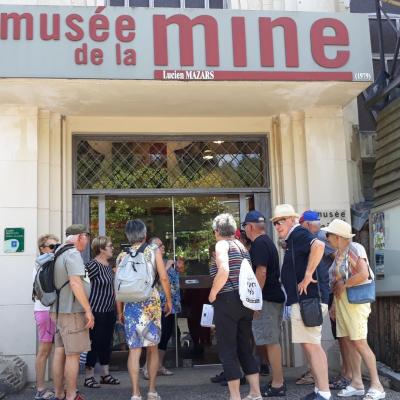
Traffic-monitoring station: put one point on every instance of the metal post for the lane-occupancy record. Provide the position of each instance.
(380, 34)
(102, 215)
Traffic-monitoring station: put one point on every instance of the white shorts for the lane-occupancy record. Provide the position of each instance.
(302, 333)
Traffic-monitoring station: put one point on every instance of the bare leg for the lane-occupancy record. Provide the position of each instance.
(40, 364)
(369, 359)
(58, 372)
(161, 356)
(345, 349)
(319, 365)
(133, 369)
(234, 389)
(71, 375)
(254, 382)
(275, 360)
(152, 366)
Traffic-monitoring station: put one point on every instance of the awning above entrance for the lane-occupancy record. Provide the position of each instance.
(174, 99)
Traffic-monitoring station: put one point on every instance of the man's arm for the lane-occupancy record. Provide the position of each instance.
(316, 253)
(75, 281)
(261, 275)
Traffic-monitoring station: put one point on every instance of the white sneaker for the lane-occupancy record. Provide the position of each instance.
(351, 391)
(164, 371)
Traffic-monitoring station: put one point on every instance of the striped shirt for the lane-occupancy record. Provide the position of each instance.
(102, 295)
(235, 261)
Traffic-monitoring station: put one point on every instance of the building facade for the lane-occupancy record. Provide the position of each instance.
(171, 115)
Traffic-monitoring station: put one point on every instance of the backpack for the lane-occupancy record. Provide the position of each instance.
(249, 289)
(134, 279)
(44, 288)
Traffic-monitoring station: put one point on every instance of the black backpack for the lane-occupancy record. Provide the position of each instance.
(44, 288)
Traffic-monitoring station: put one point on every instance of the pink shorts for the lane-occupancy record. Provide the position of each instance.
(46, 326)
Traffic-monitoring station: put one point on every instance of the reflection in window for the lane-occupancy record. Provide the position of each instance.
(138, 3)
(194, 3)
(216, 3)
(167, 3)
(118, 3)
(105, 164)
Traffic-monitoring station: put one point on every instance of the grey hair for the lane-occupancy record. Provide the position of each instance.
(154, 239)
(72, 238)
(225, 225)
(135, 231)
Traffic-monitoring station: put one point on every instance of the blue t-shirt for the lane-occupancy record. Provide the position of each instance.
(299, 244)
(323, 268)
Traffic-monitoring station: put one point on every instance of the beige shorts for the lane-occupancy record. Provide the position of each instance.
(71, 333)
(351, 319)
(302, 333)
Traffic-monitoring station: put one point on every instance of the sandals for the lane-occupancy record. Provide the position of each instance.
(109, 380)
(350, 391)
(250, 397)
(91, 383)
(339, 383)
(271, 391)
(374, 394)
(45, 394)
(306, 379)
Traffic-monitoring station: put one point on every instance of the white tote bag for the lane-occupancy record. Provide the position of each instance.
(249, 289)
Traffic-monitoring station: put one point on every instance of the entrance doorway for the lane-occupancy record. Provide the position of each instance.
(183, 223)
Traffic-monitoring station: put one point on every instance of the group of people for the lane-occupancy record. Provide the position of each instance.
(316, 263)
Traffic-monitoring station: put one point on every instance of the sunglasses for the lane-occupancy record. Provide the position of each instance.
(279, 222)
(51, 246)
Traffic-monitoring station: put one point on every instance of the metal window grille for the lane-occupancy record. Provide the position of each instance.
(208, 4)
(160, 164)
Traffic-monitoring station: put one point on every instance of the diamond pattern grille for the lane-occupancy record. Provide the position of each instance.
(105, 164)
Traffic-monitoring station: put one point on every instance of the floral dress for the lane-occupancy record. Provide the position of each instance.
(173, 277)
(143, 319)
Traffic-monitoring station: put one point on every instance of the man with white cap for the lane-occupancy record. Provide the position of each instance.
(302, 256)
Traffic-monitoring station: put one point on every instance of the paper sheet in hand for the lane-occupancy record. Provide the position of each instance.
(207, 315)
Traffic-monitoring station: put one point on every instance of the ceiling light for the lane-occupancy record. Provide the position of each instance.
(208, 155)
(218, 141)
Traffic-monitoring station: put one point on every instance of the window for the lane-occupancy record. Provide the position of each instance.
(211, 4)
(145, 164)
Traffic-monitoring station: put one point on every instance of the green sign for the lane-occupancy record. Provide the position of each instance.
(14, 240)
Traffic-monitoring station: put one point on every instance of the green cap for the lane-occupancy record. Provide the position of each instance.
(76, 229)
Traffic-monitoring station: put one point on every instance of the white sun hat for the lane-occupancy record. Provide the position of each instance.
(340, 228)
(284, 211)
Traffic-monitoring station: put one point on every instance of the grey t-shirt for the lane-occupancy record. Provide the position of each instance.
(68, 264)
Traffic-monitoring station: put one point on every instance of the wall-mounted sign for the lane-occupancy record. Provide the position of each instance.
(190, 44)
(378, 232)
(14, 240)
(327, 216)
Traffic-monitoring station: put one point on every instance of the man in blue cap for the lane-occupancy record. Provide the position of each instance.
(310, 220)
(267, 323)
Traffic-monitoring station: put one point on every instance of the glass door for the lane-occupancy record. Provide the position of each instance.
(183, 223)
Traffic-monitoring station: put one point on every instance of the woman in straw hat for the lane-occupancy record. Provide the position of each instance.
(351, 268)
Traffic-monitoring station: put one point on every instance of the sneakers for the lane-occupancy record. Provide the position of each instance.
(153, 396)
(45, 394)
(218, 378)
(164, 371)
(350, 391)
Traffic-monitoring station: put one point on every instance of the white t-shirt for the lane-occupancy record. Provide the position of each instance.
(38, 306)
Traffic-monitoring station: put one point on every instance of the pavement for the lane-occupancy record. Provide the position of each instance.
(186, 384)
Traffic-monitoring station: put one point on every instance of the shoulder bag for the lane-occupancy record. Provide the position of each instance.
(310, 308)
(364, 292)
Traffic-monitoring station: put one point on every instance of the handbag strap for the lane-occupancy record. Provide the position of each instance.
(295, 275)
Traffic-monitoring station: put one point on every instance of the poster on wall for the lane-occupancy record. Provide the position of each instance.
(14, 240)
(378, 232)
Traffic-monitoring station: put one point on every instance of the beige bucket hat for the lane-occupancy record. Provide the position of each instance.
(339, 228)
(284, 211)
